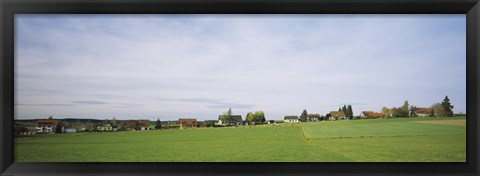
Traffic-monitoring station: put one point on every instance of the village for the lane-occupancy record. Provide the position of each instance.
(227, 119)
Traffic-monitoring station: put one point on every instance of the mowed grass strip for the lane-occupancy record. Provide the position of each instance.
(380, 127)
(387, 140)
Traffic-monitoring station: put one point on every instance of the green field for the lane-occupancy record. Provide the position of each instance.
(376, 140)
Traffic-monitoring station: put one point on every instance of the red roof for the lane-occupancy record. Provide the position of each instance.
(47, 122)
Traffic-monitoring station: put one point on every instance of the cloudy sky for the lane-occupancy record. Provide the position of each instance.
(173, 66)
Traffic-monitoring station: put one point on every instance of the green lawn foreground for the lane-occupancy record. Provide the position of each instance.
(376, 140)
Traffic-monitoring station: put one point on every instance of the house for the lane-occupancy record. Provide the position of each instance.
(336, 115)
(134, 125)
(291, 119)
(187, 123)
(423, 112)
(230, 120)
(104, 127)
(70, 129)
(313, 117)
(48, 126)
(370, 114)
(202, 124)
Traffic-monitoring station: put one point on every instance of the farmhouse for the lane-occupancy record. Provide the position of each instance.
(370, 114)
(187, 123)
(313, 117)
(336, 115)
(423, 112)
(70, 129)
(47, 126)
(230, 120)
(133, 125)
(104, 127)
(291, 119)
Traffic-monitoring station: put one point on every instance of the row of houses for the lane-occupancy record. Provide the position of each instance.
(340, 115)
(52, 126)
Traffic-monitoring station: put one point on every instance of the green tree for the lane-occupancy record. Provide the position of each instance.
(250, 117)
(404, 110)
(438, 110)
(303, 116)
(344, 109)
(259, 117)
(447, 107)
(58, 128)
(106, 121)
(349, 112)
(412, 112)
(339, 109)
(50, 118)
(158, 124)
(385, 113)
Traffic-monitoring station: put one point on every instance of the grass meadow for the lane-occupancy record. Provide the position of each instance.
(374, 140)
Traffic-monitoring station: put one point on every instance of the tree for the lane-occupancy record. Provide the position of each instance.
(250, 117)
(229, 112)
(339, 109)
(158, 124)
(303, 117)
(432, 112)
(58, 128)
(438, 110)
(114, 121)
(385, 113)
(50, 118)
(344, 109)
(412, 112)
(259, 117)
(349, 112)
(107, 121)
(404, 110)
(447, 107)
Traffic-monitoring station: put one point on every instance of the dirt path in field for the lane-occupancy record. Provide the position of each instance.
(445, 122)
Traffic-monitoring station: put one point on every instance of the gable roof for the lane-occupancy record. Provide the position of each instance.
(423, 110)
(290, 117)
(47, 122)
(233, 118)
(337, 114)
(313, 116)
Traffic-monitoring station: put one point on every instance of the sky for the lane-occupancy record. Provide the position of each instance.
(198, 66)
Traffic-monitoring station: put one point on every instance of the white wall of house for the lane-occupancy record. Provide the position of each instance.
(291, 120)
(70, 130)
(44, 129)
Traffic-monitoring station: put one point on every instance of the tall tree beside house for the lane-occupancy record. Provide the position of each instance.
(349, 112)
(303, 116)
(250, 117)
(107, 121)
(50, 118)
(259, 117)
(158, 124)
(344, 109)
(385, 113)
(339, 108)
(438, 110)
(404, 111)
(432, 112)
(411, 111)
(58, 128)
(447, 107)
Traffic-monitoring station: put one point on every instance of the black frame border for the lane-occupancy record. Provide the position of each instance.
(11, 7)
